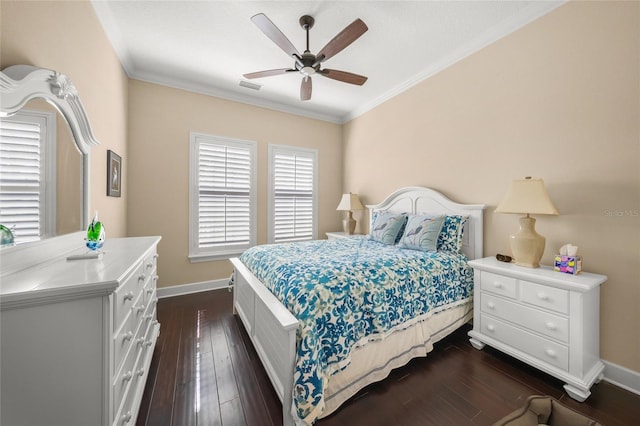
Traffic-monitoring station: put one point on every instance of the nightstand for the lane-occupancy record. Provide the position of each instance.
(547, 319)
(336, 235)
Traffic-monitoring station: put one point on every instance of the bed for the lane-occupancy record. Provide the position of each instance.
(315, 364)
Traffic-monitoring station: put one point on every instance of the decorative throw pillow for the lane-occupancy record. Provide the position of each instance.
(376, 213)
(421, 233)
(450, 238)
(386, 227)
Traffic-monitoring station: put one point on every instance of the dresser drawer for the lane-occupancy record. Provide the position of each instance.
(549, 352)
(122, 340)
(150, 289)
(545, 323)
(126, 294)
(150, 264)
(126, 414)
(498, 284)
(125, 376)
(551, 298)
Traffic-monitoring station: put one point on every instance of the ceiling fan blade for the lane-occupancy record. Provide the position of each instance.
(346, 77)
(305, 88)
(267, 73)
(271, 31)
(343, 39)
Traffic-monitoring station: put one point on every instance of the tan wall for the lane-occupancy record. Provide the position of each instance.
(159, 125)
(67, 37)
(558, 99)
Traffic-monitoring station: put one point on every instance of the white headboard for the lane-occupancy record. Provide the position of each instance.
(418, 200)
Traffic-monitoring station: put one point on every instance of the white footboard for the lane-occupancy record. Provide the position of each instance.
(272, 329)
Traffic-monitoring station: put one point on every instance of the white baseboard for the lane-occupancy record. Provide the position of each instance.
(179, 290)
(622, 377)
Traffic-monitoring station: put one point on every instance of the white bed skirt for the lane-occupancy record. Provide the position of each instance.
(375, 360)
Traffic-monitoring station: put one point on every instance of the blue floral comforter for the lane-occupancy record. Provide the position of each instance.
(347, 291)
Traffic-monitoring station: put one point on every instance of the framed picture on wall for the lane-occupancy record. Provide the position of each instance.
(114, 174)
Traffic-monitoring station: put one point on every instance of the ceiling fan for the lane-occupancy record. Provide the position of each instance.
(307, 63)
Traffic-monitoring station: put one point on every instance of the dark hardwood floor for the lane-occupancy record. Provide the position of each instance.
(205, 372)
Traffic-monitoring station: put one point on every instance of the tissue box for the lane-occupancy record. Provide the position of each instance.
(567, 264)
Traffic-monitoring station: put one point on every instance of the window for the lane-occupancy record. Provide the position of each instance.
(27, 174)
(292, 194)
(222, 197)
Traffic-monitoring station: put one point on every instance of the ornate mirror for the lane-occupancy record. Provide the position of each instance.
(28, 91)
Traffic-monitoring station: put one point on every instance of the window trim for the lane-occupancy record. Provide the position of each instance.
(309, 152)
(48, 154)
(224, 251)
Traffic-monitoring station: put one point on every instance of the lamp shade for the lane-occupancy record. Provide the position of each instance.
(350, 202)
(527, 196)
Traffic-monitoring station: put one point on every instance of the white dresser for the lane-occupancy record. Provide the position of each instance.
(77, 337)
(547, 319)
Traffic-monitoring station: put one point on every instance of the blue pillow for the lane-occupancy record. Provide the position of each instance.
(421, 233)
(386, 226)
(374, 216)
(450, 238)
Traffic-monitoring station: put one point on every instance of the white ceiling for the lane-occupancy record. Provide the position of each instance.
(206, 46)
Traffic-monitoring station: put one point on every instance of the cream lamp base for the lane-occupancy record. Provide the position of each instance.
(349, 224)
(527, 246)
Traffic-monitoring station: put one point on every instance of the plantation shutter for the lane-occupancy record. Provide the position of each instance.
(224, 195)
(293, 195)
(22, 182)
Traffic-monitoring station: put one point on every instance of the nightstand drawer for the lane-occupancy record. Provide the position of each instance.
(544, 296)
(545, 323)
(498, 284)
(549, 352)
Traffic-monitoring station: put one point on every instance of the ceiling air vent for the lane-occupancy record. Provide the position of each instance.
(250, 85)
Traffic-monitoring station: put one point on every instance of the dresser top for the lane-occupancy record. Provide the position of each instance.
(584, 281)
(60, 279)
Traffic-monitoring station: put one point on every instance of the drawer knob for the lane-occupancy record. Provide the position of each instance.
(491, 327)
(491, 305)
(126, 418)
(128, 375)
(148, 343)
(142, 277)
(155, 256)
(140, 308)
(129, 296)
(140, 341)
(551, 326)
(148, 317)
(550, 353)
(149, 290)
(127, 336)
(140, 372)
(497, 284)
(149, 265)
(543, 296)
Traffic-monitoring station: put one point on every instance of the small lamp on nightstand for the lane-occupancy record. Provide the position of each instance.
(349, 202)
(528, 196)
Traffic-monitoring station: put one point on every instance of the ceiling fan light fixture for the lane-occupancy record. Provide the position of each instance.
(308, 71)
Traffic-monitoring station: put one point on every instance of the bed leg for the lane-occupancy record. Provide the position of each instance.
(287, 417)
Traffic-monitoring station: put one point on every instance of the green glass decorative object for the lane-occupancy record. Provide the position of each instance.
(95, 234)
(6, 236)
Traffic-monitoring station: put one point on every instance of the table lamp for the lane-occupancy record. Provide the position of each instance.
(527, 196)
(349, 202)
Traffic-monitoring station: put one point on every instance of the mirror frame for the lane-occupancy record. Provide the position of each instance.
(21, 83)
